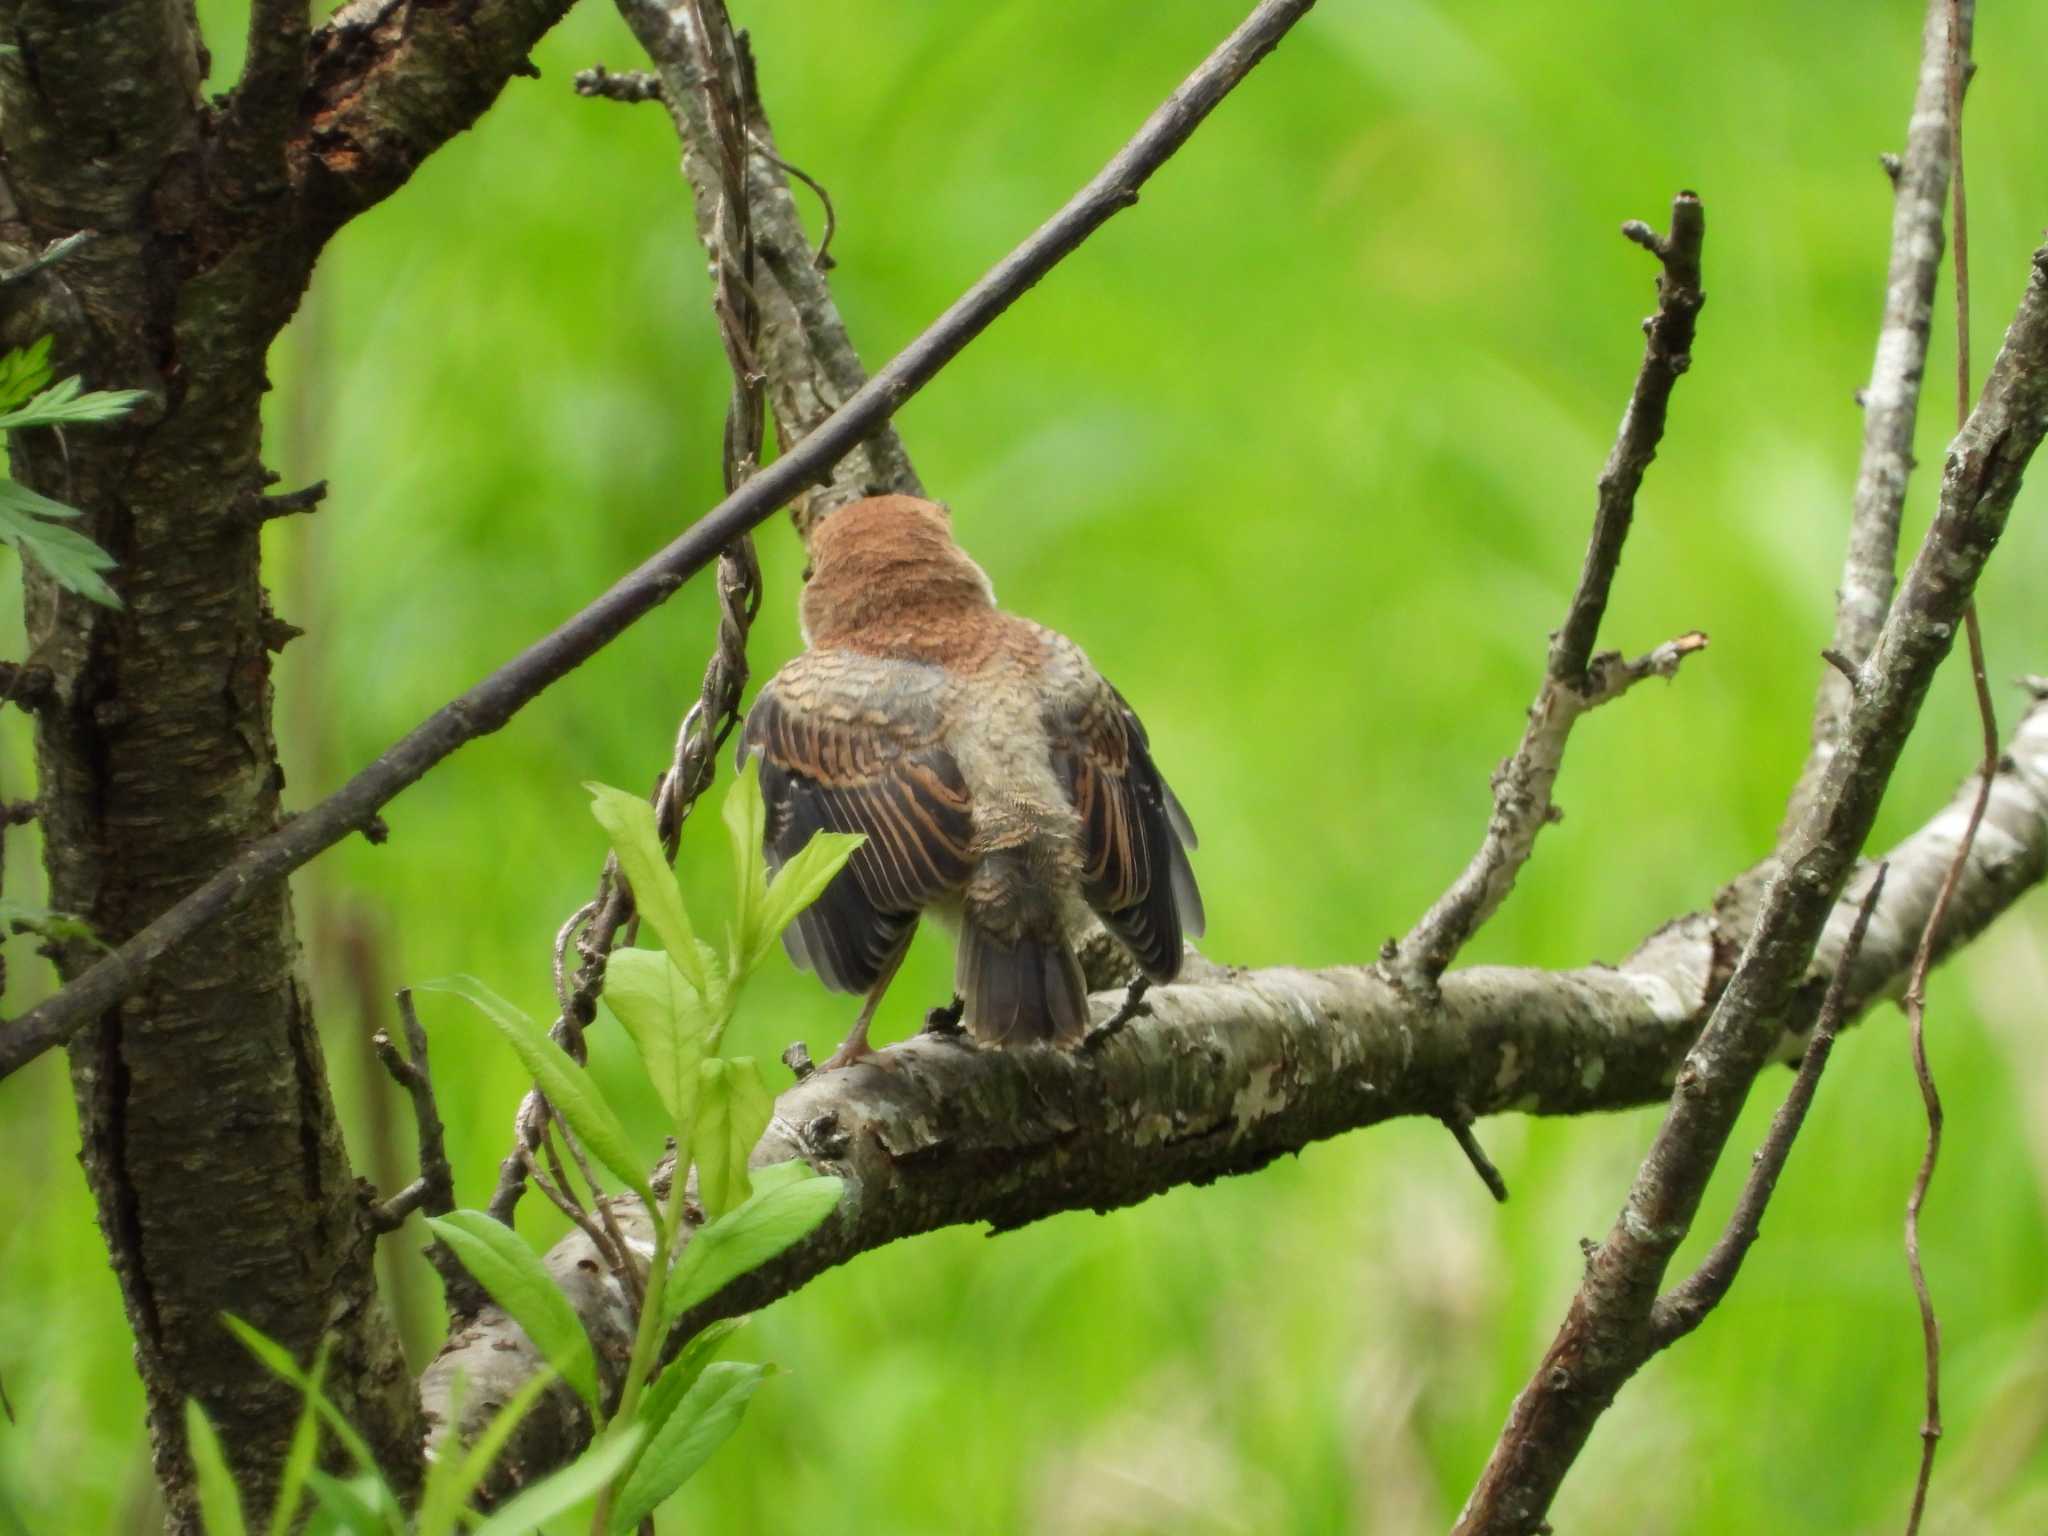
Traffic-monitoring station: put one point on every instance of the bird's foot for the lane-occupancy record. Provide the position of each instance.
(1134, 1006)
(854, 1048)
(946, 1020)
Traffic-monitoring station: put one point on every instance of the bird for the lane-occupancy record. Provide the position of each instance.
(1003, 786)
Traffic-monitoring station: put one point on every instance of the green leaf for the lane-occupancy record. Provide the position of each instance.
(33, 525)
(746, 819)
(733, 1109)
(520, 1283)
(775, 1218)
(566, 1488)
(701, 1423)
(629, 822)
(668, 1022)
(669, 1388)
(23, 372)
(568, 1087)
(801, 881)
(220, 1501)
(50, 924)
(361, 1506)
(69, 401)
(280, 1363)
(451, 1484)
(775, 1175)
(304, 1451)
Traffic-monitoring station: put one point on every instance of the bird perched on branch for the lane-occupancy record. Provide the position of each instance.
(1002, 785)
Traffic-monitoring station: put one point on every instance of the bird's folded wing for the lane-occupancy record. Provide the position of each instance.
(1134, 835)
(851, 744)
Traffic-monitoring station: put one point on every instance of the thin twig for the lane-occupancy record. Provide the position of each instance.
(1915, 1000)
(51, 254)
(491, 703)
(1685, 1305)
(1459, 1123)
(1604, 1338)
(710, 720)
(615, 1258)
(433, 1192)
(1574, 680)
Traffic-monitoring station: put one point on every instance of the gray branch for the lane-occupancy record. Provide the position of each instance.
(1609, 1331)
(1891, 401)
(1235, 1068)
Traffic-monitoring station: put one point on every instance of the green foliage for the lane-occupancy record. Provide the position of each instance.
(704, 1419)
(220, 1501)
(1301, 450)
(674, 1004)
(513, 1274)
(32, 523)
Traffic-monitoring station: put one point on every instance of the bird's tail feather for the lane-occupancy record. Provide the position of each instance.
(1032, 990)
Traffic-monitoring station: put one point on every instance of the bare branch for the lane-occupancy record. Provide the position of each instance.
(434, 1191)
(491, 703)
(934, 1133)
(1916, 985)
(49, 256)
(1606, 1335)
(1891, 401)
(810, 364)
(1686, 1305)
(1668, 354)
(1575, 681)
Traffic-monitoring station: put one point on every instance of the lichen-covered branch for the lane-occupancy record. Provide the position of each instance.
(1234, 1068)
(1608, 1332)
(810, 363)
(1891, 401)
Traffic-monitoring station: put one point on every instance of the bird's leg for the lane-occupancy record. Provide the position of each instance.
(946, 1020)
(855, 1046)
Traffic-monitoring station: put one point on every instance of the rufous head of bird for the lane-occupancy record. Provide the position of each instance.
(886, 569)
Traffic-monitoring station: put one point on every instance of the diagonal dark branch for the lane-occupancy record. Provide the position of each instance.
(492, 702)
(1685, 1306)
(936, 1134)
(1891, 401)
(1606, 1335)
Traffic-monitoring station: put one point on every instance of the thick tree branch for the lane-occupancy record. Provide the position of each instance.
(487, 706)
(1891, 401)
(1574, 682)
(391, 81)
(1607, 1334)
(1235, 1068)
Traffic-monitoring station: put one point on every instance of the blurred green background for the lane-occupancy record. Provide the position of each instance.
(1302, 450)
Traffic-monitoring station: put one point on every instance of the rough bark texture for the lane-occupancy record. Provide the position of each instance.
(1236, 1068)
(209, 1138)
(1609, 1330)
